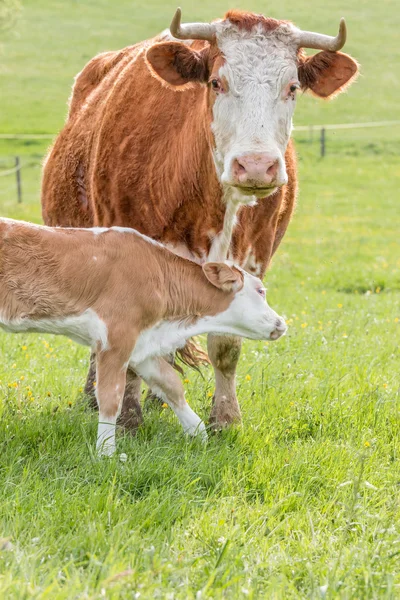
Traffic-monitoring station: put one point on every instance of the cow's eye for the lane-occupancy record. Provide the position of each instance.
(261, 291)
(292, 89)
(216, 85)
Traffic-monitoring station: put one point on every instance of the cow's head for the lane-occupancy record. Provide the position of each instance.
(253, 67)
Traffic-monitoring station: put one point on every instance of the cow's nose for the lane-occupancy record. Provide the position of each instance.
(255, 170)
(280, 329)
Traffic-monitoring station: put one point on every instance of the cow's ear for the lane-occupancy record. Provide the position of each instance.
(327, 74)
(224, 277)
(178, 64)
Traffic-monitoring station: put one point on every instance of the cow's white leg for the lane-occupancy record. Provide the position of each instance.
(165, 382)
(110, 387)
(224, 353)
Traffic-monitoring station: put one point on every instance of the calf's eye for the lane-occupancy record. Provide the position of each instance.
(216, 85)
(261, 291)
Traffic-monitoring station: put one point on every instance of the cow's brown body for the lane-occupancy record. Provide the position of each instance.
(139, 156)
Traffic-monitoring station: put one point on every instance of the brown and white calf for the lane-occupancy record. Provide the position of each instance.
(128, 298)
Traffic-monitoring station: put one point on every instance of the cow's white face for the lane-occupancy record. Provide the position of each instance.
(255, 96)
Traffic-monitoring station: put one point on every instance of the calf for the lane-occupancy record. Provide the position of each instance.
(128, 298)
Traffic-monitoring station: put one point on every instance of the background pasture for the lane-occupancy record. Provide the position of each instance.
(303, 500)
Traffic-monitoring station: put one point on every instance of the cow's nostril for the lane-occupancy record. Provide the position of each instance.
(240, 168)
(273, 169)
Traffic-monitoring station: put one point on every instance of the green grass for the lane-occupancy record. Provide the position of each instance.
(302, 501)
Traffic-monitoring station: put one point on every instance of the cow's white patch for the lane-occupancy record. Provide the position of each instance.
(87, 328)
(252, 265)
(255, 114)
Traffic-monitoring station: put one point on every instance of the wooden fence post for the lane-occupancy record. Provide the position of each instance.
(322, 142)
(18, 175)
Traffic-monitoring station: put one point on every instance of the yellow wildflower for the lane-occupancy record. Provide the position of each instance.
(385, 385)
(248, 377)
(210, 394)
(164, 405)
(24, 348)
(22, 377)
(13, 366)
(186, 380)
(94, 383)
(340, 305)
(304, 325)
(367, 444)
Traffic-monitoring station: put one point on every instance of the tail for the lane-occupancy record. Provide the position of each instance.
(192, 355)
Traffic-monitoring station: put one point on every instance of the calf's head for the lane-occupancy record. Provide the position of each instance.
(253, 67)
(248, 315)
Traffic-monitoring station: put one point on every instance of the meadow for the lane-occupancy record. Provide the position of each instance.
(302, 500)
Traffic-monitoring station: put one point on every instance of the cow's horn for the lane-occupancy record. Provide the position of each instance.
(319, 41)
(191, 31)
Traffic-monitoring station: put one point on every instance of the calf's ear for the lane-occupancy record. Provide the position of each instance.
(224, 277)
(327, 74)
(178, 64)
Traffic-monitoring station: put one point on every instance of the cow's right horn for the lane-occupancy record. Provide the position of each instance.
(191, 31)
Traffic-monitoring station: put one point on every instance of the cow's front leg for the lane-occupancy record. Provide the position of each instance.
(224, 353)
(131, 414)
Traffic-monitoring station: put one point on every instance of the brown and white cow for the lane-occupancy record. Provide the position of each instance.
(173, 137)
(90, 284)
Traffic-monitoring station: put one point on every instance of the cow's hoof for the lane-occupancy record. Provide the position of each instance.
(131, 419)
(225, 412)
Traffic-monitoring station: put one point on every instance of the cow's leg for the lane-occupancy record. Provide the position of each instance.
(90, 389)
(131, 414)
(166, 384)
(224, 353)
(111, 379)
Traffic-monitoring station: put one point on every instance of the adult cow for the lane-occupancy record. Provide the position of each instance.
(173, 138)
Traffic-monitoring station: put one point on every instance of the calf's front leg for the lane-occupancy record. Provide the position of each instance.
(131, 416)
(166, 384)
(224, 353)
(111, 380)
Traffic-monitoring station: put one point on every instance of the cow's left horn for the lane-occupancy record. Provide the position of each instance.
(319, 41)
(191, 31)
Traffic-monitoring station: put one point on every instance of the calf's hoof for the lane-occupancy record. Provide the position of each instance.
(198, 431)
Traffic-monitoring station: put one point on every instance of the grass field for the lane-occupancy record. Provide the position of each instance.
(302, 501)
